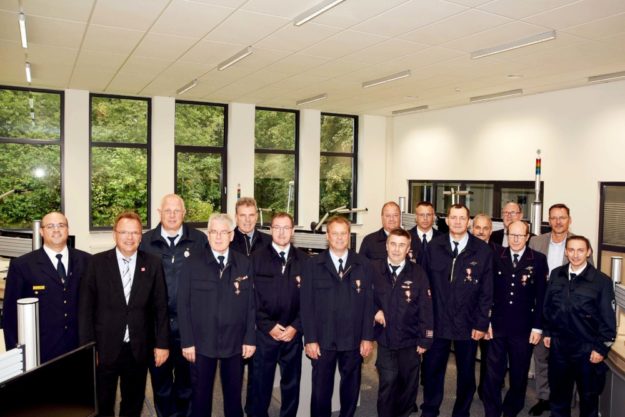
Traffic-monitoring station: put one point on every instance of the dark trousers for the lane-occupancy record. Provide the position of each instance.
(483, 344)
(398, 371)
(203, 379)
(270, 353)
(569, 364)
(171, 384)
(434, 367)
(349, 363)
(513, 352)
(131, 376)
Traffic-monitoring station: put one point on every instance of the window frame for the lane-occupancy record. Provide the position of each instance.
(42, 142)
(294, 152)
(600, 246)
(147, 146)
(353, 155)
(222, 151)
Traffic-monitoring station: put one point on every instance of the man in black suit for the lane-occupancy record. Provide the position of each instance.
(52, 274)
(373, 246)
(516, 321)
(173, 242)
(247, 239)
(337, 315)
(423, 232)
(277, 282)
(123, 308)
(511, 212)
(217, 318)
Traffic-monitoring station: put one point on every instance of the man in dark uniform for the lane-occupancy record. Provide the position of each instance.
(277, 281)
(247, 239)
(337, 316)
(52, 274)
(373, 246)
(423, 232)
(217, 318)
(460, 270)
(173, 242)
(404, 327)
(516, 321)
(510, 212)
(580, 327)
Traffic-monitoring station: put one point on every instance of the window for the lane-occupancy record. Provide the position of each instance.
(276, 162)
(120, 163)
(339, 147)
(201, 159)
(31, 137)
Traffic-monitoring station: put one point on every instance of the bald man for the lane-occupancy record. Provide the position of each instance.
(52, 274)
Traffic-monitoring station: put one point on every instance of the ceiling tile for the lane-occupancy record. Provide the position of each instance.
(91, 79)
(577, 13)
(600, 28)
(246, 27)
(110, 39)
(77, 10)
(10, 5)
(280, 8)
(385, 51)
(470, 3)
(343, 43)
(167, 47)
(295, 64)
(55, 32)
(500, 35)
(135, 14)
(100, 59)
(519, 9)
(293, 38)
(190, 19)
(350, 13)
(9, 27)
(211, 52)
(142, 65)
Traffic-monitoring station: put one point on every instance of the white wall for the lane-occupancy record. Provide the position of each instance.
(581, 133)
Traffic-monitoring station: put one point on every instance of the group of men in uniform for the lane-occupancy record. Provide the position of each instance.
(181, 303)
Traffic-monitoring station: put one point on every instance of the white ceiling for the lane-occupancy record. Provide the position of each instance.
(154, 47)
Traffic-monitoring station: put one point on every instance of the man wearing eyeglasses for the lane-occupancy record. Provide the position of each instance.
(247, 238)
(423, 233)
(173, 242)
(516, 321)
(216, 316)
(277, 282)
(373, 246)
(123, 309)
(511, 212)
(52, 274)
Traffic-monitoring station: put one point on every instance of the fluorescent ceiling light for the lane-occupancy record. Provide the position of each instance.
(29, 77)
(311, 99)
(603, 78)
(494, 96)
(187, 87)
(386, 79)
(410, 110)
(532, 40)
(315, 11)
(22, 21)
(235, 58)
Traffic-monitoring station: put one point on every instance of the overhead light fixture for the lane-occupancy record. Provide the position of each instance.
(386, 79)
(604, 78)
(22, 21)
(235, 58)
(29, 77)
(315, 11)
(410, 110)
(494, 96)
(311, 99)
(532, 40)
(187, 87)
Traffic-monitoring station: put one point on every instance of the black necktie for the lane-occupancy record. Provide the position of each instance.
(456, 248)
(248, 239)
(394, 272)
(572, 276)
(341, 270)
(515, 262)
(283, 258)
(221, 263)
(60, 268)
(424, 241)
(172, 240)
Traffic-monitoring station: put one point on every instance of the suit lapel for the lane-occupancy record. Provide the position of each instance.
(117, 288)
(138, 277)
(47, 268)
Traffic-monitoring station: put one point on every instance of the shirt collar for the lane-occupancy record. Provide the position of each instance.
(428, 235)
(165, 235)
(462, 243)
(579, 271)
(225, 255)
(52, 255)
(278, 250)
(335, 259)
(120, 256)
(401, 266)
(520, 253)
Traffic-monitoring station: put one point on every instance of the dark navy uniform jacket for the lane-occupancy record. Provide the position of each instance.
(173, 258)
(33, 275)
(337, 313)
(407, 306)
(518, 293)
(581, 310)
(216, 314)
(277, 293)
(462, 301)
(240, 244)
(373, 246)
(416, 246)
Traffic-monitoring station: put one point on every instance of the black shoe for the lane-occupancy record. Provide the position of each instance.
(540, 407)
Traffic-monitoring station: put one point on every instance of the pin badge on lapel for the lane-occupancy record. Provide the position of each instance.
(143, 269)
(236, 287)
(187, 253)
(469, 277)
(358, 286)
(298, 279)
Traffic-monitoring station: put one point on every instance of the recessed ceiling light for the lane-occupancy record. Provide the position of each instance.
(187, 87)
(315, 11)
(388, 78)
(410, 110)
(531, 40)
(494, 96)
(514, 76)
(604, 78)
(311, 99)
